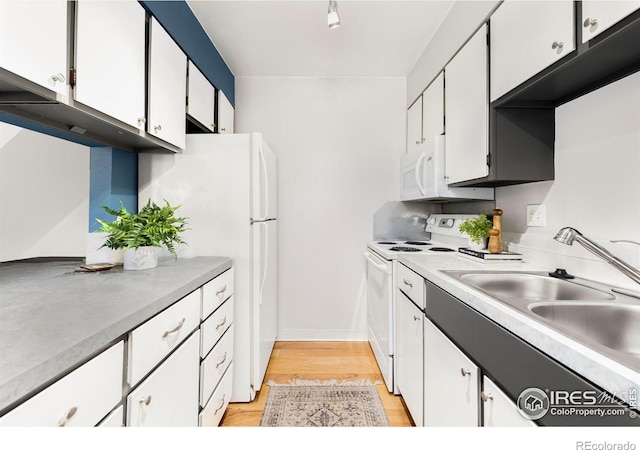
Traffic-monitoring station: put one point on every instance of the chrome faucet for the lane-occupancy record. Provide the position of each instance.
(568, 235)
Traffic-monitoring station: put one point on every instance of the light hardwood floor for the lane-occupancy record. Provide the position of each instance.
(318, 361)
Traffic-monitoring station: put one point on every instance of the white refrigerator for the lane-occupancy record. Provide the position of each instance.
(226, 185)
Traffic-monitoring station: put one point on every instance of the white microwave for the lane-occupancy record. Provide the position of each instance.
(423, 176)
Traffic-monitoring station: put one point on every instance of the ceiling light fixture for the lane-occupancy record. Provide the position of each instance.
(333, 19)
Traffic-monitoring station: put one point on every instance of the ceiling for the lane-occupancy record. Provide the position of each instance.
(292, 38)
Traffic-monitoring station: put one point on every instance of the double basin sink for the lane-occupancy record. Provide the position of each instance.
(593, 314)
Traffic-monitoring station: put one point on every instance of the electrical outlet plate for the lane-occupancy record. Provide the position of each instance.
(536, 216)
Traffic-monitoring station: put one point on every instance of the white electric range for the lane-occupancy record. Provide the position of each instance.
(382, 276)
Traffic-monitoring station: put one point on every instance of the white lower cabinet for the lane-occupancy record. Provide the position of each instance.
(409, 341)
(169, 396)
(451, 382)
(212, 413)
(215, 365)
(81, 398)
(114, 419)
(498, 410)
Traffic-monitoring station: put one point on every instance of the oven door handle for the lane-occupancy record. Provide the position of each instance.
(377, 263)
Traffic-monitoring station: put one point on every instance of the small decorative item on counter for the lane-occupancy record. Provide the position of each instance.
(497, 224)
(144, 234)
(477, 228)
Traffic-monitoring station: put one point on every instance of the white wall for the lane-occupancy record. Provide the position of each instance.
(338, 143)
(596, 188)
(44, 195)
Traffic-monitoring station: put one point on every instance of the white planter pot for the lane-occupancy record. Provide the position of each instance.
(481, 246)
(141, 258)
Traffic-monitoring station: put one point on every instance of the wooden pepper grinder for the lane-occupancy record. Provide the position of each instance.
(496, 237)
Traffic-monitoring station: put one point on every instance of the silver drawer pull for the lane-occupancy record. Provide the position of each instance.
(221, 291)
(224, 358)
(177, 327)
(416, 317)
(557, 45)
(221, 324)
(408, 283)
(589, 22)
(221, 405)
(486, 397)
(465, 372)
(146, 400)
(68, 416)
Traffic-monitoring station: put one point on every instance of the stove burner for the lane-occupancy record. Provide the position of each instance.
(405, 249)
(441, 249)
(386, 243)
(417, 243)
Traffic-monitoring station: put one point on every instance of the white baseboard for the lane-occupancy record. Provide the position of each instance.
(322, 335)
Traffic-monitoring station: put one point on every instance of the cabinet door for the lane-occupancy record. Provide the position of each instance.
(225, 114)
(498, 409)
(450, 382)
(409, 342)
(201, 98)
(467, 111)
(167, 87)
(526, 37)
(433, 109)
(110, 59)
(414, 126)
(33, 41)
(598, 16)
(169, 396)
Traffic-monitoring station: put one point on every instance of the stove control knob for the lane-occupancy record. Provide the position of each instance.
(450, 222)
(432, 221)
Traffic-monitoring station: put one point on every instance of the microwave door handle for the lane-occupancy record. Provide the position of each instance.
(419, 173)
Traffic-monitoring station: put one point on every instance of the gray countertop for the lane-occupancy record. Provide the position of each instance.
(601, 370)
(52, 319)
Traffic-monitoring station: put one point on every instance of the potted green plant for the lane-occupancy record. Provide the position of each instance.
(477, 228)
(144, 234)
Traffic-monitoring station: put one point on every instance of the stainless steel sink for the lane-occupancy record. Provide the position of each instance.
(526, 287)
(615, 326)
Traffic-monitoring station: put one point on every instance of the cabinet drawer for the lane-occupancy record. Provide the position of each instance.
(214, 365)
(81, 398)
(151, 342)
(216, 291)
(169, 396)
(115, 419)
(411, 284)
(215, 326)
(217, 404)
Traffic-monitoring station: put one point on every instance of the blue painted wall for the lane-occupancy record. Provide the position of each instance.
(113, 179)
(180, 22)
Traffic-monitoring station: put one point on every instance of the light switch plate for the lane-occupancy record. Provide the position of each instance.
(536, 216)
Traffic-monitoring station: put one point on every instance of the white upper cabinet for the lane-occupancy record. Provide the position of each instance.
(201, 98)
(598, 16)
(414, 126)
(467, 111)
(225, 114)
(110, 59)
(433, 109)
(33, 41)
(526, 37)
(167, 87)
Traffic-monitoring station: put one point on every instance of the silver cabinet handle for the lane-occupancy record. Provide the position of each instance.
(176, 328)
(416, 317)
(221, 324)
(589, 22)
(224, 358)
(142, 120)
(221, 405)
(408, 283)
(221, 291)
(465, 372)
(157, 128)
(557, 45)
(67, 416)
(418, 142)
(58, 77)
(146, 400)
(486, 397)
(223, 129)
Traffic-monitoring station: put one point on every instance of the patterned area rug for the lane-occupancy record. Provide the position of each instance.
(311, 404)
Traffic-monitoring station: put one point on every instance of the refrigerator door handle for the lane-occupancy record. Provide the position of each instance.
(265, 175)
(266, 260)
